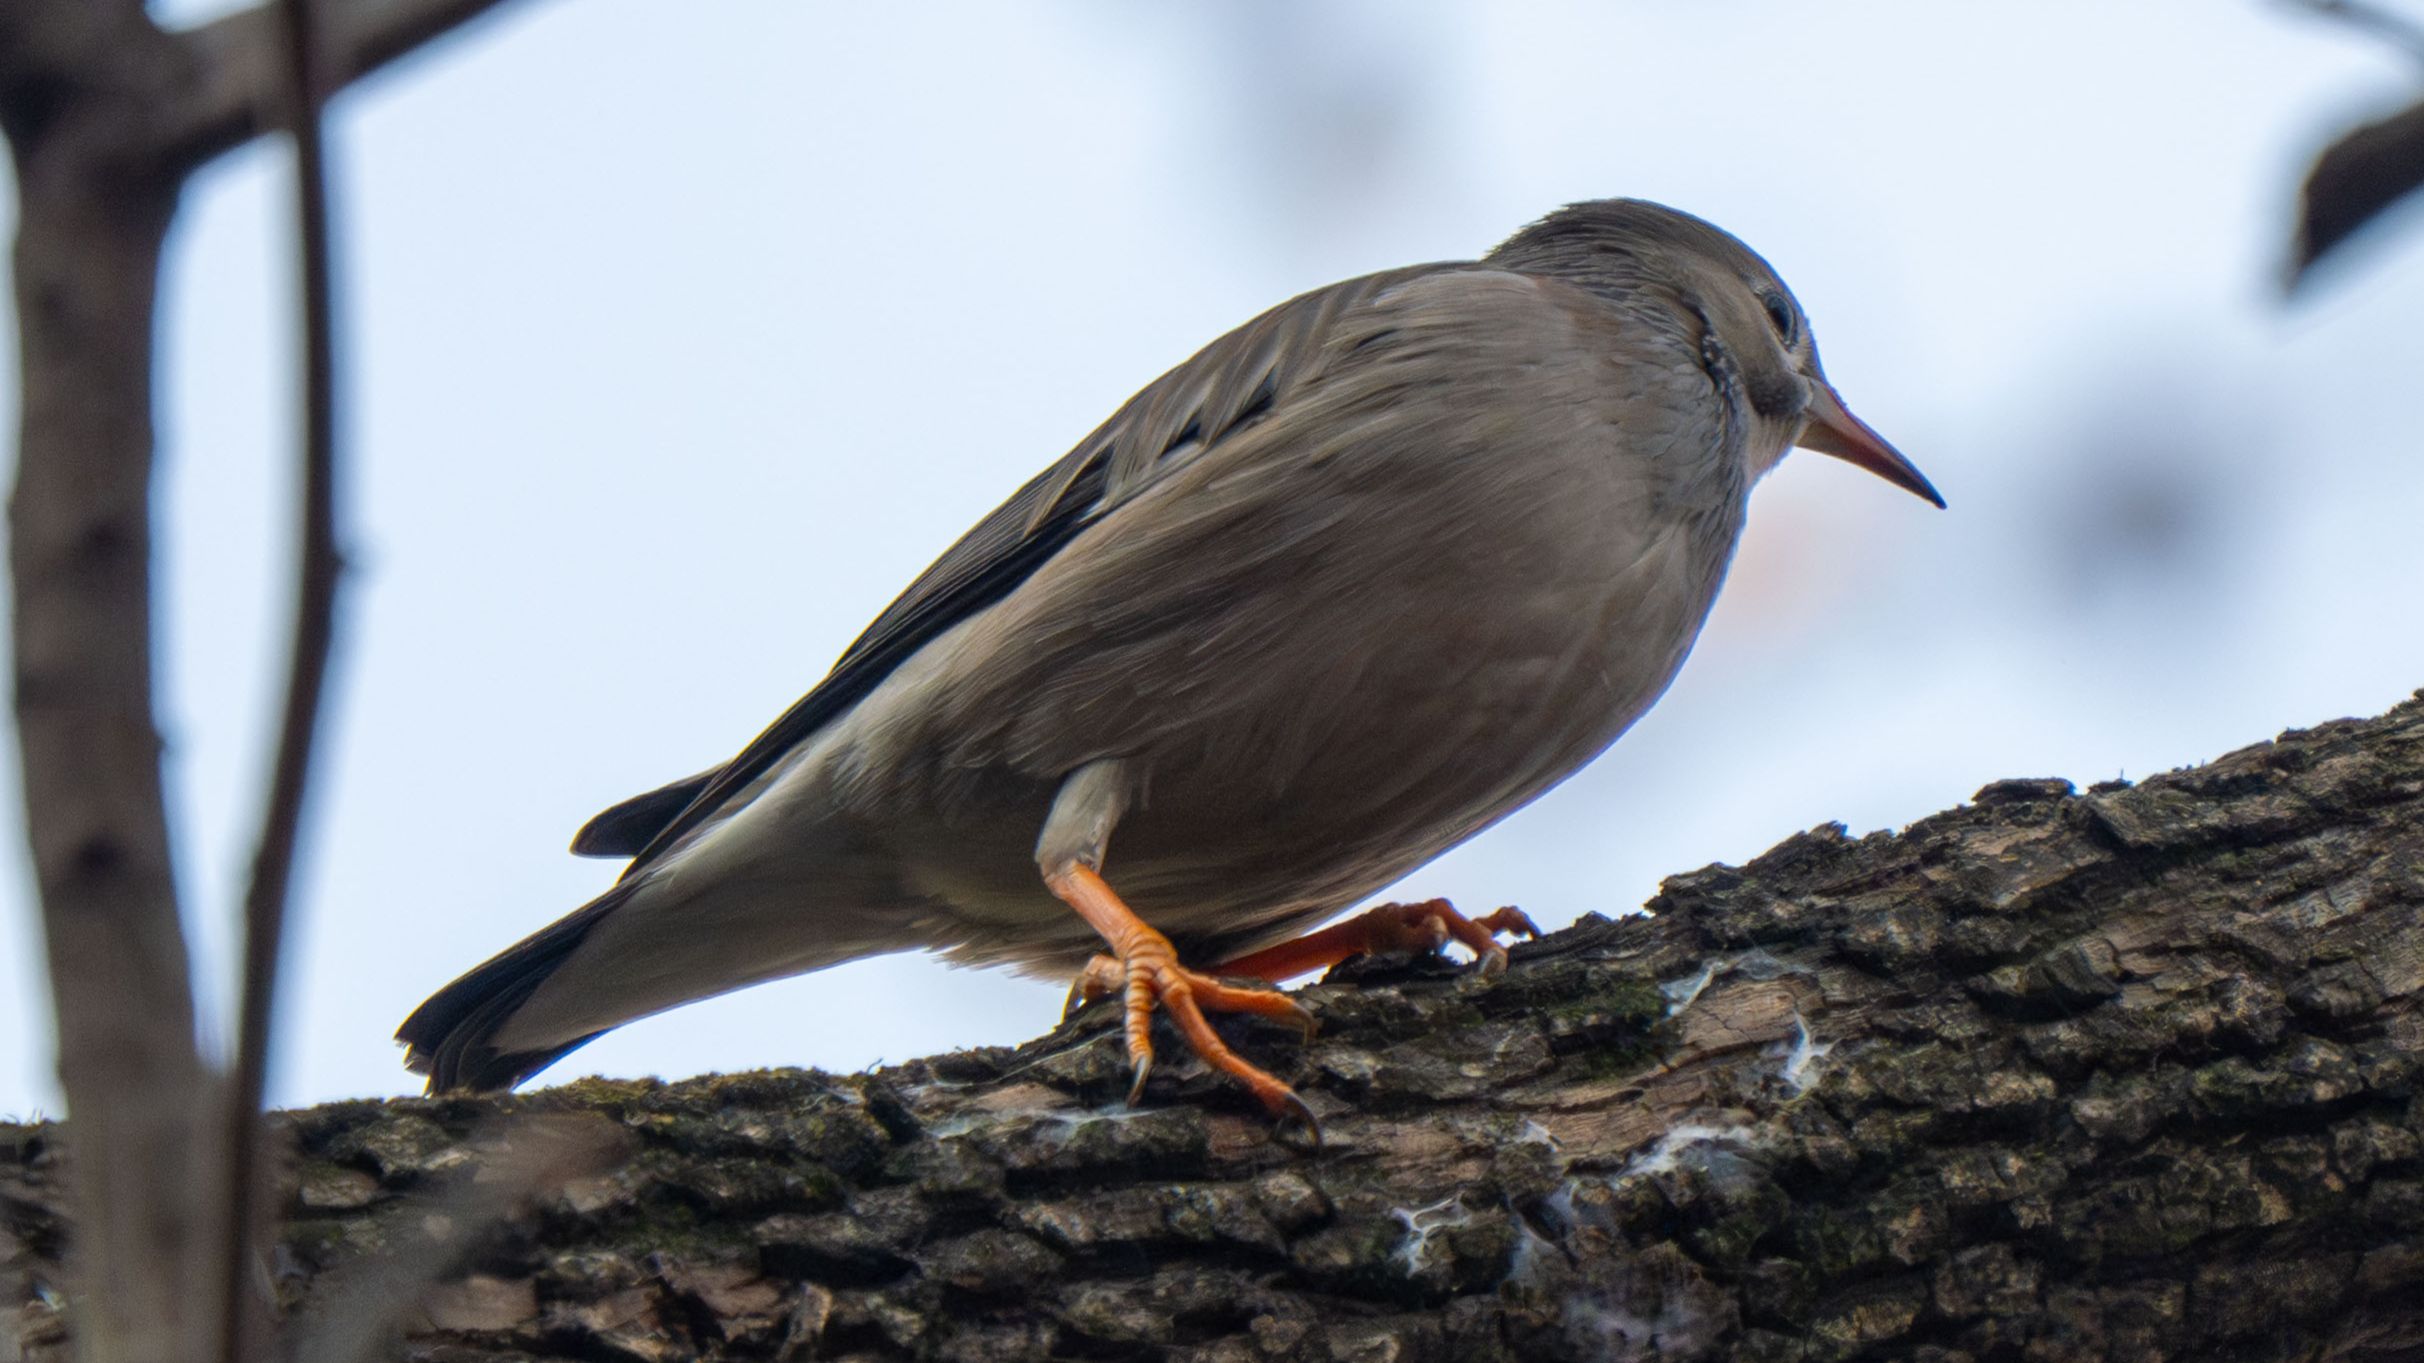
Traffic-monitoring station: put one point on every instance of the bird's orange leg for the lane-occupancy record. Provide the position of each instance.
(1386, 930)
(1152, 974)
(1390, 929)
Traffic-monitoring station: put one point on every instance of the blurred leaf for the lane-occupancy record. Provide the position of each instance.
(2353, 181)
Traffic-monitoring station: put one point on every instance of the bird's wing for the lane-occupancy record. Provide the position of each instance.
(1370, 472)
(1221, 389)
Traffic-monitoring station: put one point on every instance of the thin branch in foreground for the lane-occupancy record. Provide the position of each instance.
(522, 1161)
(318, 574)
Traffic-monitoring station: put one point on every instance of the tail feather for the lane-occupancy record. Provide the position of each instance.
(451, 1037)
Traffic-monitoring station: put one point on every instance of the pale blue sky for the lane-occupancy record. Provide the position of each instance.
(676, 345)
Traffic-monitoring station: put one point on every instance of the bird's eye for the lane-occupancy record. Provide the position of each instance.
(1780, 313)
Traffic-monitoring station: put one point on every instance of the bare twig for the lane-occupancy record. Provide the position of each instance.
(317, 577)
(237, 96)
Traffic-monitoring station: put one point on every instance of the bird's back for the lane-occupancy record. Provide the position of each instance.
(1487, 511)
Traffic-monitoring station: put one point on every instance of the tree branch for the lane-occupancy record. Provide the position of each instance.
(94, 203)
(235, 95)
(317, 577)
(44, 43)
(2135, 1073)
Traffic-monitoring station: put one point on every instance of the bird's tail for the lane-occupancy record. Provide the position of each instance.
(451, 1038)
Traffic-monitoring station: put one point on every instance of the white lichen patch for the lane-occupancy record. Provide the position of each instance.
(1681, 993)
(1801, 1057)
(1422, 1223)
(1679, 1329)
(1562, 1211)
(1676, 1145)
(1527, 1265)
(1045, 1123)
(1716, 1148)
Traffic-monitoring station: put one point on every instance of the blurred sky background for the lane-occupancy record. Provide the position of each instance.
(677, 339)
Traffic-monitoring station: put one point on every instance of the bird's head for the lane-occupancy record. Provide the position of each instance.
(1753, 329)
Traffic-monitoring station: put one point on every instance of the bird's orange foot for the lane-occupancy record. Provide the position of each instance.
(1154, 976)
(1391, 929)
(1147, 973)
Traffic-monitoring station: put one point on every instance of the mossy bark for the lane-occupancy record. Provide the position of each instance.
(2128, 1074)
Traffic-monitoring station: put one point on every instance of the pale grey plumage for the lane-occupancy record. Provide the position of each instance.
(1357, 580)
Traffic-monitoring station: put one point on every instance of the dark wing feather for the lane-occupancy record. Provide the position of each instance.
(447, 1037)
(626, 828)
(1223, 387)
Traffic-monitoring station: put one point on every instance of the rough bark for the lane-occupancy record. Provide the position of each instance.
(2127, 1074)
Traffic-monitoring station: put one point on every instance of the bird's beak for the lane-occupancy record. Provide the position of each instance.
(1832, 429)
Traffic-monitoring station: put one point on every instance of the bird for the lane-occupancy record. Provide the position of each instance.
(1357, 580)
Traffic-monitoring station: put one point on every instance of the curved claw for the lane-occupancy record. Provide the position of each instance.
(1300, 1110)
(1508, 919)
(1100, 979)
(1143, 969)
(1481, 934)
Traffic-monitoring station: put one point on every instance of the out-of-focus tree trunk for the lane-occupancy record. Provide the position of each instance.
(2129, 1074)
(95, 194)
(106, 115)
